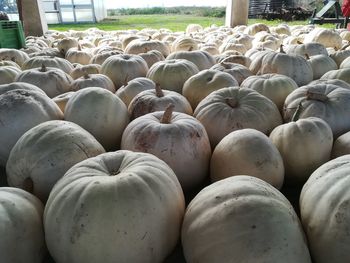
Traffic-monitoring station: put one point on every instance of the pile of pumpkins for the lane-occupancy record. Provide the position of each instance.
(128, 145)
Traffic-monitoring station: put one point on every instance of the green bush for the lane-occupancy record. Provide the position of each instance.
(183, 10)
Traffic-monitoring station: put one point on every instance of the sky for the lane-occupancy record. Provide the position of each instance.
(162, 3)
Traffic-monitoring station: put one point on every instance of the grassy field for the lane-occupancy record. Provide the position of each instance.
(173, 22)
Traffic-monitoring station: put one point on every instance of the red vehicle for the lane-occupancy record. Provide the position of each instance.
(345, 8)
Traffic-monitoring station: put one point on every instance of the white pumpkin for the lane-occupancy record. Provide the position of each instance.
(249, 152)
(324, 203)
(22, 234)
(101, 113)
(176, 138)
(304, 144)
(20, 110)
(242, 219)
(121, 68)
(137, 199)
(44, 153)
(52, 81)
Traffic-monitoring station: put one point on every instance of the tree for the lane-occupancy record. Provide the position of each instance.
(8, 6)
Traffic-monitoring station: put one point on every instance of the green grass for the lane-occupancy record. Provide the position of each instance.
(173, 22)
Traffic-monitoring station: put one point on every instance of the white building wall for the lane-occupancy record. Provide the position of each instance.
(100, 10)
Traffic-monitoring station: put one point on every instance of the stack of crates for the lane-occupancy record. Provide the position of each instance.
(11, 34)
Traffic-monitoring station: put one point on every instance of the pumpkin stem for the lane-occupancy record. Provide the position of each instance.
(191, 48)
(345, 47)
(298, 112)
(86, 74)
(159, 91)
(232, 102)
(43, 68)
(281, 49)
(316, 96)
(307, 56)
(149, 38)
(299, 42)
(225, 65)
(166, 118)
(79, 47)
(28, 185)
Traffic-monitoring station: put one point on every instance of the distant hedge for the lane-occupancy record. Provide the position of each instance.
(182, 10)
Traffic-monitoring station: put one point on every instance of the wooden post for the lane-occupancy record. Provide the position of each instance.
(237, 13)
(32, 16)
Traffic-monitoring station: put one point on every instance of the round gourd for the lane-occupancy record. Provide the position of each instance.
(321, 64)
(311, 49)
(137, 46)
(8, 74)
(128, 91)
(276, 87)
(293, 66)
(52, 81)
(78, 55)
(51, 52)
(255, 28)
(242, 219)
(130, 204)
(184, 43)
(20, 110)
(54, 62)
(329, 102)
(324, 36)
(61, 100)
(151, 57)
(178, 139)
(93, 80)
(67, 43)
(204, 82)
(249, 152)
(238, 59)
(9, 63)
(44, 153)
(171, 74)
(337, 82)
(157, 100)
(233, 109)
(342, 74)
(99, 58)
(340, 55)
(324, 202)
(341, 146)
(304, 144)
(192, 28)
(21, 231)
(121, 68)
(257, 58)
(15, 55)
(101, 113)
(202, 59)
(238, 71)
(79, 71)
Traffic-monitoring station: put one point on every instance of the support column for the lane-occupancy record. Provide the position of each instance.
(33, 17)
(237, 12)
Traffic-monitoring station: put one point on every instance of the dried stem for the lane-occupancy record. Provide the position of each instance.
(232, 102)
(159, 91)
(316, 96)
(43, 68)
(298, 112)
(166, 118)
